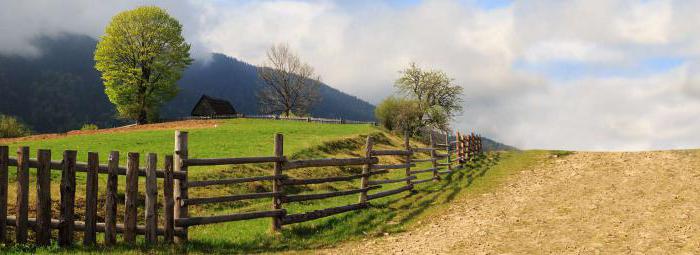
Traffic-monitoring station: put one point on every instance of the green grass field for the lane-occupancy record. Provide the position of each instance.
(239, 137)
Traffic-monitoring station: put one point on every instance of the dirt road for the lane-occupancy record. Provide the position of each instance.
(585, 203)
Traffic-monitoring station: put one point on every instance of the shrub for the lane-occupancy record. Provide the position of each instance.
(399, 114)
(88, 126)
(11, 127)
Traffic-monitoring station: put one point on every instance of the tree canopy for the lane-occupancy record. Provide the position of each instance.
(439, 100)
(290, 85)
(141, 56)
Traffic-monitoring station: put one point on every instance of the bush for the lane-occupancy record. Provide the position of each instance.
(398, 114)
(11, 127)
(89, 126)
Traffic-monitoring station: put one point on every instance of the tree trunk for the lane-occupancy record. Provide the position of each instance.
(143, 117)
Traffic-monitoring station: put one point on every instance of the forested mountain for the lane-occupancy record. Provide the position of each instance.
(60, 90)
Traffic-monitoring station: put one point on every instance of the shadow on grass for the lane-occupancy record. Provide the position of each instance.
(391, 214)
(385, 215)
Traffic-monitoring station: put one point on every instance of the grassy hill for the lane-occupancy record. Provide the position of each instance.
(242, 137)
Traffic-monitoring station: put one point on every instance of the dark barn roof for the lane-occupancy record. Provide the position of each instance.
(209, 106)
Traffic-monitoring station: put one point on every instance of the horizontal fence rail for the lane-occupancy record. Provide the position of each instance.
(274, 117)
(435, 159)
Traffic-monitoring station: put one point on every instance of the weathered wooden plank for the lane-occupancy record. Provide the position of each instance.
(80, 226)
(90, 237)
(328, 162)
(307, 197)
(131, 196)
(230, 161)
(395, 166)
(432, 169)
(230, 198)
(444, 172)
(389, 192)
(151, 199)
(277, 184)
(392, 180)
(391, 152)
(433, 154)
(378, 172)
(22, 205)
(205, 183)
(423, 149)
(366, 170)
(103, 169)
(422, 160)
(422, 181)
(302, 217)
(168, 200)
(67, 211)
(43, 202)
(181, 185)
(111, 199)
(4, 166)
(323, 180)
(407, 146)
(443, 164)
(192, 221)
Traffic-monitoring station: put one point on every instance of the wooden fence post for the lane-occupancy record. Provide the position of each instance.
(111, 199)
(433, 157)
(91, 199)
(131, 196)
(151, 199)
(180, 184)
(4, 163)
(43, 201)
(458, 146)
(168, 200)
(67, 217)
(22, 206)
(447, 145)
(470, 146)
(364, 183)
(277, 187)
(407, 147)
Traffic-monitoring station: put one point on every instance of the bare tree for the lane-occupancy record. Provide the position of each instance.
(290, 86)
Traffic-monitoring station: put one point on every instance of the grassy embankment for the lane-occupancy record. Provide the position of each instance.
(302, 140)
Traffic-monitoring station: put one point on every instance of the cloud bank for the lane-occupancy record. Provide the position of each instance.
(582, 74)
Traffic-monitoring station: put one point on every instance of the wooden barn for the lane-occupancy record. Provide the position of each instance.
(209, 106)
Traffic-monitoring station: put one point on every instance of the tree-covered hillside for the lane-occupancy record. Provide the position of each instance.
(60, 89)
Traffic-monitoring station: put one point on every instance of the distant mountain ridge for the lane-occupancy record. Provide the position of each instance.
(60, 90)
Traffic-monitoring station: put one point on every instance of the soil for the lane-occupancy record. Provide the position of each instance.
(584, 203)
(157, 126)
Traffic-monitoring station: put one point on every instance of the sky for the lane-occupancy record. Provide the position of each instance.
(549, 74)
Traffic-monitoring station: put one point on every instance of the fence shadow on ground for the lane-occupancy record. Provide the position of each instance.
(382, 217)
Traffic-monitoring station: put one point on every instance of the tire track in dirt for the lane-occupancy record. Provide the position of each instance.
(585, 203)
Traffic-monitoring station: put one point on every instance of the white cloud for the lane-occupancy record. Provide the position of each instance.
(647, 22)
(359, 47)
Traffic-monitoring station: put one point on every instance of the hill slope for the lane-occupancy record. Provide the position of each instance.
(60, 90)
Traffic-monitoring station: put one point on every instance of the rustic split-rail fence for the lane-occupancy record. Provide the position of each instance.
(175, 185)
(275, 117)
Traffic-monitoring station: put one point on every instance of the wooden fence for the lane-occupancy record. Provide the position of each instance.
(275, 117)
(175, 181)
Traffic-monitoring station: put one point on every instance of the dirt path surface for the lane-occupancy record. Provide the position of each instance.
(585, 203)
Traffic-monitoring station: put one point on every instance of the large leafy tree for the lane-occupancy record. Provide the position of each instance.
(141, 56)
(439, 100)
